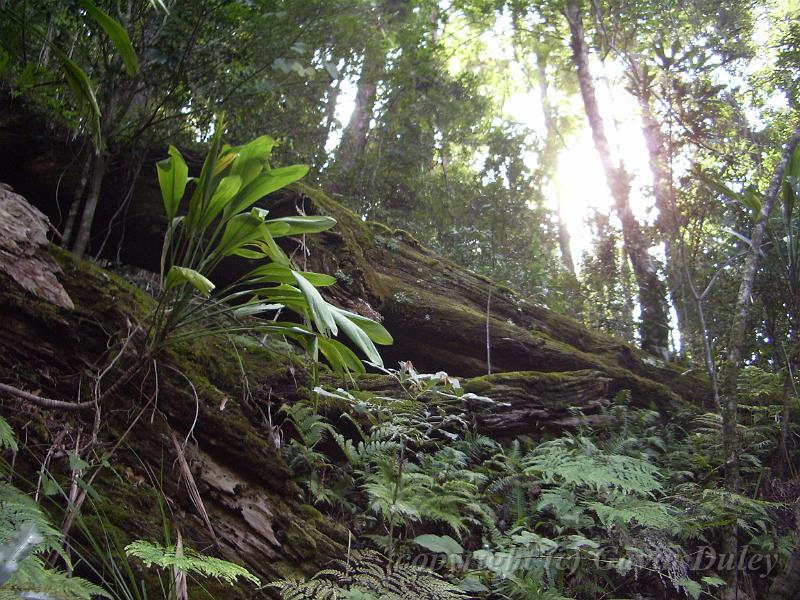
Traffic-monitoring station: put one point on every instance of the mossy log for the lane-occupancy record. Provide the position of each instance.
(207, 394)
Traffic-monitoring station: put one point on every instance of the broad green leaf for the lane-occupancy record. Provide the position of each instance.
(173, 175)
(226, 190)
(443, 544)
(357, 335)
(301, 224)
(224, 161)
(252, 158)
(340, 357)
(241, 230)
(250, 253)
(117, 34)
(281, 274)
(266, 183)
(376, 332)
(277, 229)
(321, 312)
(179, 275)
(254, 308)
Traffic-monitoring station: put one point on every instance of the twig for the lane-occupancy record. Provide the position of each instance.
(45, 402)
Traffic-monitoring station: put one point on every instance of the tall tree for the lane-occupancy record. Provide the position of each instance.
(654, 325)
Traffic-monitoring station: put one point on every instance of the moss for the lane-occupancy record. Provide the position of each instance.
(301, 541)
(311, 513)
(478, 385)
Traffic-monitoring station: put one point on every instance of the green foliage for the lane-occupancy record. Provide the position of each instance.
(221, 221)
(25, 535)
(568, 462)
(7, 438)
(366, 574)
(188, 561)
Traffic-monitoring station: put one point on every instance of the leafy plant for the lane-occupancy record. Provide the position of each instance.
(221, 221)
(367, 574)
(188, 561)
(25, 534)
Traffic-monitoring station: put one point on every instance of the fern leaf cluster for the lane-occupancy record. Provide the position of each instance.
(188, 561)
(368, 574)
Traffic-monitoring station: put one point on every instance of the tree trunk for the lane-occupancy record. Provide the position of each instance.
(654, 325)
(354, 136)
(77, 201)
(737, 341)
(667, 223)
(90, 207)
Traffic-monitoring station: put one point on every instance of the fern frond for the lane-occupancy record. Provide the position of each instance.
(368, 575)
(7, 438)
(188, 561)
(34, 581)
(555, 462)
(627, 511)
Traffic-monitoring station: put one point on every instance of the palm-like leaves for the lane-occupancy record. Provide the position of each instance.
(219, 221)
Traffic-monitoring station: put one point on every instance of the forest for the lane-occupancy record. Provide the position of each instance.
(399, 299)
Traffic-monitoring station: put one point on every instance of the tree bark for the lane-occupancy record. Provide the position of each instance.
(354, 137)
(654, 324)
(77, 201)
(90, 207)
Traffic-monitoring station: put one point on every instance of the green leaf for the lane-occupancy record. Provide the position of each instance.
(357, 335)
(302, 224)
(276, 273)
(692, 587)
(83, 92)
(252, 158)
(254, 308)
(376, 332)
(227, 188)
(443, 544)
(179, 275)
(117, 34)
(76, 463)
(7, 439)
(277, 229)
(266, 183)
(321, 312)
(188, 561)
(241, 230)
(173, 175)
(472, 584)
(340, 357)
